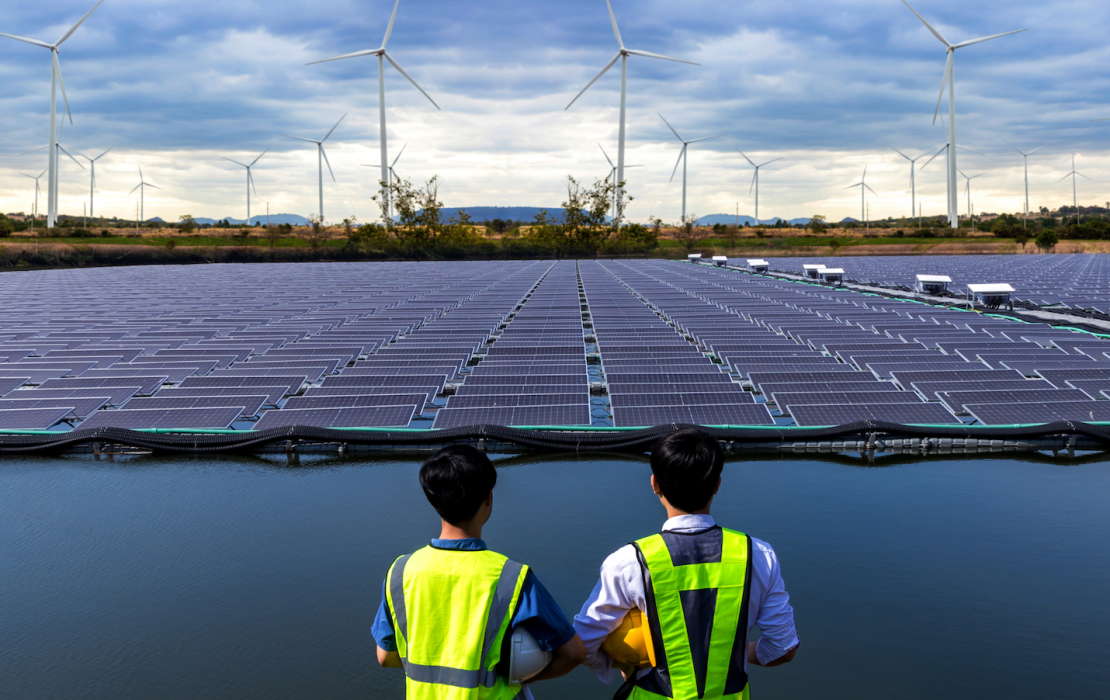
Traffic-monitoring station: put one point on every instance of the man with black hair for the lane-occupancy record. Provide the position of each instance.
(700, 588)
(448, 610)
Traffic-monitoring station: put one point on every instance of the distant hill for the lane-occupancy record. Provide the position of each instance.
(849, 220)
(750, 221)
(295, 219)
(156, 220)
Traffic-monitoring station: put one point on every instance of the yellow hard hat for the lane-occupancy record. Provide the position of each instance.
(629, 646)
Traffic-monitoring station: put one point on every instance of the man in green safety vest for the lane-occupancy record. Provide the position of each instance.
(448, 610)
(700, 587)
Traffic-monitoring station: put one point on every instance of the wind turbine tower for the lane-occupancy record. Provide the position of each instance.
(913, 181)
(622, 54)
(143, 184)
(1072, 174)
(755, 180)
(613, 174)
(383, 56)
(92, 180)
(36, 178)
(389, 181)
(321, 158)
(967, 189)
(55, 82)
(1025, 158)
(949, 83)
(250, 180)
(681, 159)
(863, 186)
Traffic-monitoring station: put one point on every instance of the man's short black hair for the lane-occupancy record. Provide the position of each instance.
(456, 480)
(687, 465)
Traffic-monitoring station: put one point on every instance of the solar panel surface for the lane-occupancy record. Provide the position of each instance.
(353, 417)
(166, 419)
(840, 414)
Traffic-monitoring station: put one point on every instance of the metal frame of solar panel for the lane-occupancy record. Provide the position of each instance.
(250, 405)
(80, 407)
(292, 383)
(466, 389)
(704, 398)
(955, 400)
(556, 415)
(147, 385)
(784, 399)
(349, 417)
(165, 419)
(650, 416)
(273, 394)
(905, 378)
(33, 418)
(1089, 411)
(829, 414)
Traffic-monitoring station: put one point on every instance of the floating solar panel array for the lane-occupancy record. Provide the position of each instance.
(532, 343)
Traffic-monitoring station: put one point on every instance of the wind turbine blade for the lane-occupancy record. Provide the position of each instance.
(45, 45)
(402, 72)
(136, 187)
(747, 158)
(671, 128)
(258, 158)
(235, 161)
(969, 150)
(851, 186)
(943, 87)
(927, 25)
(30, 176)
(943, 125)
(1064, 177)
(1083, 176)
(147, 184)
(773, 161)
(960, 172)
(325, 154)
(986, 38)
(298, 138)
(141, 178)
(1015, 147)
(389, 27)
(752, 186)
(62, 83)
(596, 77)
(900, 153)
(334, 128)
(648, 54)
(1034, 150)
(44, 172)
(681, 153)
(41, 148)
(607, 156)
(613, 18)
(79, 22)
(250, 178)
(706, 138)
(102, 155)
(399, 155)
(356, 54)
(872, 191)
(63, 150)
(933, 158)
(1104, 119)
(864, 178)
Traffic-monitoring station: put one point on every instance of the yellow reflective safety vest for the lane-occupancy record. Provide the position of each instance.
(697, 599)
(451, 610)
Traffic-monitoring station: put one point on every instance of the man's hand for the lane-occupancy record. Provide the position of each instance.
(786, 658)
(388, 659)
(567, 657)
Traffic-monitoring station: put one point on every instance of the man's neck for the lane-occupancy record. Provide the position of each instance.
(462, 531)
(674, 512)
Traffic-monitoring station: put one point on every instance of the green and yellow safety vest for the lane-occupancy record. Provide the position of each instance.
(697, 600)
(451, 609)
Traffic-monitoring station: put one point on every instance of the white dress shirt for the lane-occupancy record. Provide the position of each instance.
(621, 587)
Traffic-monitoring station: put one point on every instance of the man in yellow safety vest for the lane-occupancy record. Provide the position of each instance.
(448, 609)
(700, 587)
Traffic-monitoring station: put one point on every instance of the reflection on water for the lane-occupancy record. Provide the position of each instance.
(256, 577)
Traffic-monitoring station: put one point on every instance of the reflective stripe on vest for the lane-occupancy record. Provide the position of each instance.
(451, 610)
(712, 567)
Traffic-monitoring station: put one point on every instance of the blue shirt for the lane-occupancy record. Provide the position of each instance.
(537, 611)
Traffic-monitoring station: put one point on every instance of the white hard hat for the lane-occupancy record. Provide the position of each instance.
(527, 658)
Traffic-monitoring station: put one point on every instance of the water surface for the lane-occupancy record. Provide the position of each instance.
(243, 578)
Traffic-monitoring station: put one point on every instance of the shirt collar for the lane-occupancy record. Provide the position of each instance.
(689, 522)
(469, 544)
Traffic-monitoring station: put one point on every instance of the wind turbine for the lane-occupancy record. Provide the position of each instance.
(55, 82)
(250, 180)
(948, 174)
(383, 56)
(36, 178)
(57, 147)
(613, 174)
(143, 184)
(949, 83)
(863, 186)
(967, 189)
(913, 181)
(92, 182)
(681, 159)
(755, 180)
(1072, 174)
(622, 54)
(389, 181)
(322, 158)
(1025, 157)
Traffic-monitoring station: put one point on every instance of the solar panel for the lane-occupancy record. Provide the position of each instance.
(840, 414)
(514, 416)
(114, 395)
(428, 391)
(1091, 387)
(492, 389)
(513, 400)
(868, 384)
(660, 378)
(10, 384)
(650, 416)
(841, 376)
(167, 419)
(147, 385)
(930, 389)
(33, 418)
(250, 405)
(955, 400)
(702, 398)
(272, 394)
(81, 407)
(783, 399)
(354, 417)
(884, 370)
(352, 401)
(312, 374)
(121, 353)
(1060, 376)
(1032, 368)
(291, 383)
(32, 376)
(954, 374)
(1046, 412)
(624, 388)
(525, 378)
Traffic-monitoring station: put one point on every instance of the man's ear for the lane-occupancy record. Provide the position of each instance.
(655, 486)
(489, 499)
(717, 487)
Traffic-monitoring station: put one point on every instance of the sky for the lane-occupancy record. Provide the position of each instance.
(828, 86)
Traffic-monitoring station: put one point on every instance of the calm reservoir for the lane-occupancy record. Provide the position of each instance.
(257, 577)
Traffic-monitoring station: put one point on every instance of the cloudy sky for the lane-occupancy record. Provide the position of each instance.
(829, 85)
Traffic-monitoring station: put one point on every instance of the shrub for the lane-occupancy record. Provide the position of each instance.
(1046, 240)
(7, 228)
(105, 233)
